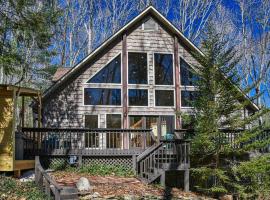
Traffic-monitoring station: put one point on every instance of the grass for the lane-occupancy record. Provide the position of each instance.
(11, 188)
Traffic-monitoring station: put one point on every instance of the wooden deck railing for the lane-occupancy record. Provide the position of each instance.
(70, 141)
(166, 155)
(50, 187)
(229, 136)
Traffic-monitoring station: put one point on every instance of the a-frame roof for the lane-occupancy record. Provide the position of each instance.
(148, 11)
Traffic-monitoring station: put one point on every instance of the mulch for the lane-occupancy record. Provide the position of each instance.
(120, 186)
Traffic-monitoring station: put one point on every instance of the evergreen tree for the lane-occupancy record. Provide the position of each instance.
(26, 30)
(220, 104)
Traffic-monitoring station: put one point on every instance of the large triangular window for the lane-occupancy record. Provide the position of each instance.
(111, 73)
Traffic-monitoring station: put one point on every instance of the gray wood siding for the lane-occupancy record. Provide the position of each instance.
(65, 108)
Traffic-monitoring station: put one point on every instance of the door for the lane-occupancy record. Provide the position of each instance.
(162, 126)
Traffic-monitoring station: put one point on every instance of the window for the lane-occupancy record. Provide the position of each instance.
(164, 97)
(113, 140)
(142, 122)
(111, 73)
(91, 139)
(137, 68)
(91, 121)
(113, 121)
(188, 78)
(138, 97)
(187, 98)
(101, 96)
(163, 69)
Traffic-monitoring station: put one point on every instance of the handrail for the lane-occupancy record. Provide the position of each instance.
(50, 186)
(167, 155)
(84, 129)
(148, 151)
(63, 141)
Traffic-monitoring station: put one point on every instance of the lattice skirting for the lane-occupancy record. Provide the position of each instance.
(62, 161)
(125, 161)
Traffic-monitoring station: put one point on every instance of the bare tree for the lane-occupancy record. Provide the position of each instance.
(192, 15)
(255, 44)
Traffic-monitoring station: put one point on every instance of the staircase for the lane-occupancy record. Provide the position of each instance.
(161, 157)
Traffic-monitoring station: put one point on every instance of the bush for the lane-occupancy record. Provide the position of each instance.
(103, 170)
(11, 188)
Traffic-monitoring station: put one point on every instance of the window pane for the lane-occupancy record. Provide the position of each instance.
(113, 139)
(135, 122)
(138, 97)
(111, 73)
(187, 77)
(91, 139)
(91, 121)
(113, 121)
(101, 96)
(163, 69)
(187, 98)
(164, 98)
(137, 68)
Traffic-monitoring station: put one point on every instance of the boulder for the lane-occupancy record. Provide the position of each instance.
(83, 184)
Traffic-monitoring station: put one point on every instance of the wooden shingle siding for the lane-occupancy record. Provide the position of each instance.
(65, 107)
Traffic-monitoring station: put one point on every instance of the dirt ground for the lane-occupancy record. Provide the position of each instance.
(110, 187)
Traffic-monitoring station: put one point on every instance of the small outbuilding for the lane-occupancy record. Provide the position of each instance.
(12, 119)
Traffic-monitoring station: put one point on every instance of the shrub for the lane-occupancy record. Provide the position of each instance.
(103, 170)
(10, 188)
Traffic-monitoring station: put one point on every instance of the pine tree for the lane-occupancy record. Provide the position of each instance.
(220, 104)
(26, 30)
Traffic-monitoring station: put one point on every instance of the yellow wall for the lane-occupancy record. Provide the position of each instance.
(6, 133)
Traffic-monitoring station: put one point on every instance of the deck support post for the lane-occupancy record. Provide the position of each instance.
(186, 180)
(177, 83)
(163, 179)
(80, 160)
(134, 163)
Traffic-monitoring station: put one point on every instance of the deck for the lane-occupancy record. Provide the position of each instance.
(85, 142)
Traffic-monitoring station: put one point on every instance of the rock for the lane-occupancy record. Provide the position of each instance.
(112, 196)
(226, 197)
(130, 197)
(95, 195)
(83, 184)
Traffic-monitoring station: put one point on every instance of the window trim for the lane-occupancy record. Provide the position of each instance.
(148, 99)
(154, 68)
(98, 106)
(147, 55)
(95, 73)
(170, 89)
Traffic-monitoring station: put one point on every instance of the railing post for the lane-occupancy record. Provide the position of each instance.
(144, 140)
(186, 180)
(38, 174)
(134, 163)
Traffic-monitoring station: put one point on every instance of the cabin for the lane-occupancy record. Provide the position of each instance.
(121, 104)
